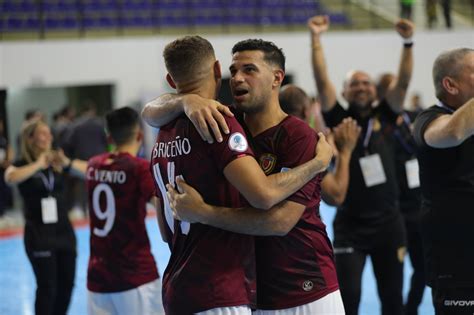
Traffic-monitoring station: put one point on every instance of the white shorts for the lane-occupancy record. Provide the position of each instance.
(330, 304)
(233, 310)
(146, 299)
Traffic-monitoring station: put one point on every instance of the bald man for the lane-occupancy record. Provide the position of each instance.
(369, 222)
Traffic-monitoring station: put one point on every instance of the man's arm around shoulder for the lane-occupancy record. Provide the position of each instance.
(205, 114)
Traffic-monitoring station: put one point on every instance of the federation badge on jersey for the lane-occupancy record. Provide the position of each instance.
(267, 162)
(238, 142)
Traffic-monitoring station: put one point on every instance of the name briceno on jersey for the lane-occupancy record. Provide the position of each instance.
(172, 148)
(112, 177)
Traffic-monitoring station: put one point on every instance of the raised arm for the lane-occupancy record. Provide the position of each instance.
(264, 192)
(15, 175)
(205, 114)
(398, 88)
(451, 130)
(318, 25)
(334, 185)
(189, 206)
(75, 166)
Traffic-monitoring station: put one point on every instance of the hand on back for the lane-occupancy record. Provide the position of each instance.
(208, 117)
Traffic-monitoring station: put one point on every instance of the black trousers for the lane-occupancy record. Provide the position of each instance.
(405, 11)
(417, 281)
(446, 4)
(54, 271)
(387, 261)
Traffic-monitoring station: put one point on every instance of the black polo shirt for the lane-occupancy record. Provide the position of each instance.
(38, 235)
(447, 185)
(367, 212)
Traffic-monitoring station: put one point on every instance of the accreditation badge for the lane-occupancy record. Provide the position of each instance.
(372, 170)
(412, 170)
(49, 210)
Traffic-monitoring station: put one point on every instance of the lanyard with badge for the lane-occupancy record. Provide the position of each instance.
(411, 166)
(371, 164)
(49, 206)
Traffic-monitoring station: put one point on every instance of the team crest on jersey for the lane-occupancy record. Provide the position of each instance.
(308, 285)
(237, 142)
(267, 162)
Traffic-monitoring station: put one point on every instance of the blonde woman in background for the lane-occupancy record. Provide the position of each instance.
(49, 238)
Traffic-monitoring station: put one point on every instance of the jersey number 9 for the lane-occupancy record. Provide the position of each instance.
(109, 214)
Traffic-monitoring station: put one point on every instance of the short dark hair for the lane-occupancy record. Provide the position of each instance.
(121, 124)
(293, 100)
(272, 54)
(184, 55)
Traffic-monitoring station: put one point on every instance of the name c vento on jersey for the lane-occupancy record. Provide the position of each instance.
(104, 176)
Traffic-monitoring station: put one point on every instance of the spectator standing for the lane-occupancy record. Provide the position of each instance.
(431, 13)
(87, 136)
(444, 135)
(49, 239)
(85, 139)
(369, 222)
(446, 5)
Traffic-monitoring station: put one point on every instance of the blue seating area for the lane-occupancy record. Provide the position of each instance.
(84, 15)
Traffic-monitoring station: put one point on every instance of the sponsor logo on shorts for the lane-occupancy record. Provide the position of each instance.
(308, 285)
(267, 162)
(461, 303)
(237, 142)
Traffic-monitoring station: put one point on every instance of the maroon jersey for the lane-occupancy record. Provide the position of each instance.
(208, 267)
(118, 186)
(298, 268)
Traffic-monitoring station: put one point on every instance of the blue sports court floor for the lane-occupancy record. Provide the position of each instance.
(18, 285)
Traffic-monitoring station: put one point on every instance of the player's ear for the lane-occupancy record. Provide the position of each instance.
(450, 85)
(217, 70)
(170, 81)
(278, 76)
